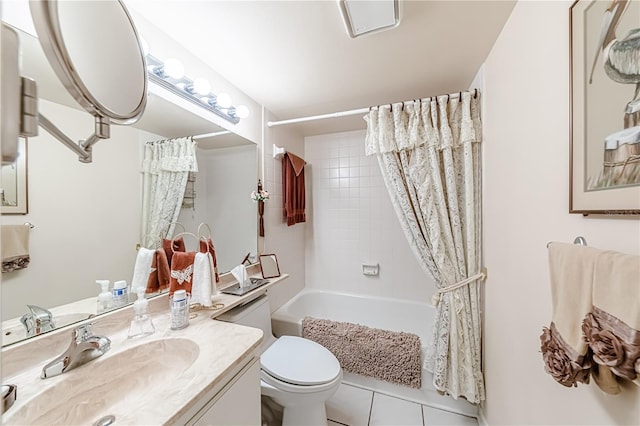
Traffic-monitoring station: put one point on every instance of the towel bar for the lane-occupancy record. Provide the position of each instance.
(578, 240)
(278, 151)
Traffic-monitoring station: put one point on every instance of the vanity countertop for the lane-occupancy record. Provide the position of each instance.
(150, 380)
(230, 301)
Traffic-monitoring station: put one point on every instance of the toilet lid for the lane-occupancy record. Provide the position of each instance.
(300, 361)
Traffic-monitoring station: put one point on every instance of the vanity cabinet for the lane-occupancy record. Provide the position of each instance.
(237, 403)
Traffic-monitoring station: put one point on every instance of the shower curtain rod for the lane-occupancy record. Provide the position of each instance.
(210, 135)
(318, 117)
(349, 112)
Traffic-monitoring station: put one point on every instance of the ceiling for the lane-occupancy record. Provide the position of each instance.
(296, 59)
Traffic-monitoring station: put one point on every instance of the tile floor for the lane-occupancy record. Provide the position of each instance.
(354, 406)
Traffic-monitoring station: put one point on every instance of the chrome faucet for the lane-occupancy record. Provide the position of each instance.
(84, 347)
(40, 320)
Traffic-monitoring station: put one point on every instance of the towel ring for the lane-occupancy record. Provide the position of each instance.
(185, 233)
(184, 228)
(208, 228)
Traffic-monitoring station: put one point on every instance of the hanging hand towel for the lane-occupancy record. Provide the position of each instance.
(208, 247)
(202, 279)
(293, 191)
(160, 273)
(612, 328)
(142, 268)
(15, 247)
(178, 245)
(182, 271)
(565, 353)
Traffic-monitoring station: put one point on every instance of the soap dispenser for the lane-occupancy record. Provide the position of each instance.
(105, 298)
(141, 325)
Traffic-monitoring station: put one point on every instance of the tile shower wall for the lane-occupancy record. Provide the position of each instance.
(351, 221)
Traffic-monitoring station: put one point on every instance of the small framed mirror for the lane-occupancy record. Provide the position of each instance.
(269, 266)
(13, 183)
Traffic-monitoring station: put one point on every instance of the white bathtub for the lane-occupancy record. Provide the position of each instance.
(375, 312)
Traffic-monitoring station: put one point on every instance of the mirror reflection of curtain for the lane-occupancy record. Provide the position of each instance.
(429, 156)
(165, 167)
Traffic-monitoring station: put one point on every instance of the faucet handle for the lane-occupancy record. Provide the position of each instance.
(82, 332)
(39, 320)
(41, 314)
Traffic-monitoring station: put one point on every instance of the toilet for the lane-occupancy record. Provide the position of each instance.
(297, 373)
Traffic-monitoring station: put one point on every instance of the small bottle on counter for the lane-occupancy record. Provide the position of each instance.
(179, 310)
(141, 325)
(105, 298)
(120, 295)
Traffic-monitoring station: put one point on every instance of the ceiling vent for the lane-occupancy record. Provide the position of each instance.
(366, 16)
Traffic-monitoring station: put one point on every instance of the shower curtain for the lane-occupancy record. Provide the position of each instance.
(429, 155)
(165, 168)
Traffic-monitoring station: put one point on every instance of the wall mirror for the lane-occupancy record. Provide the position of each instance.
(93, 225)
(13, 184)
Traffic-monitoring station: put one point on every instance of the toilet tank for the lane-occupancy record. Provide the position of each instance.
(257, 314)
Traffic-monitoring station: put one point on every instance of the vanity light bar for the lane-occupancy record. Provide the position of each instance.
(183, 87)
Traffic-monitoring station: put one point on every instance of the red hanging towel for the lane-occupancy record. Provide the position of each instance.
(160, 273)
(293, 192)
(182, 271)
(178, 245)
(208, 246)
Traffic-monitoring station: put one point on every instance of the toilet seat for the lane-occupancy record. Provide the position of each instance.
(277, 385)
(297, 363)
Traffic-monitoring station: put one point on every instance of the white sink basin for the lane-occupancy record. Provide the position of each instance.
(108, 384)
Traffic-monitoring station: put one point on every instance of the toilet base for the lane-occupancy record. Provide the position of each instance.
(305, 415)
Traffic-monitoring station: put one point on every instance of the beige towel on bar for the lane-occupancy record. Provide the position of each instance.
(15, 247)
(565, 353)
(612, 328)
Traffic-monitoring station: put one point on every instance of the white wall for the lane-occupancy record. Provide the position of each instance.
(351, 222)
(224, 182)
(526, 147)
(287, 242)
(86, 216)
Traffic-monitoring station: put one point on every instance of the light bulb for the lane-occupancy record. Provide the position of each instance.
(223, 100)
(201, 86)
(242, 111)
(173, 68)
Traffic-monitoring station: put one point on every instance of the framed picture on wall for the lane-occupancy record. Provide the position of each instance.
(605, 107)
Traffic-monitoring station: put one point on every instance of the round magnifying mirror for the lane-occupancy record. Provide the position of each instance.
(94, 49)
